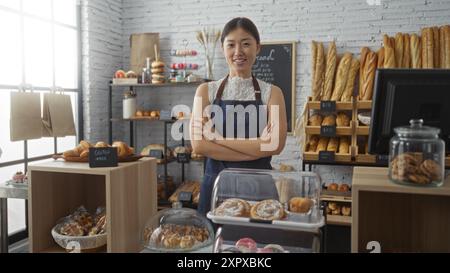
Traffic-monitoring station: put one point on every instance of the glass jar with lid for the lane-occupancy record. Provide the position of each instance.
(417, 155)
(178, 230)
(129, 104)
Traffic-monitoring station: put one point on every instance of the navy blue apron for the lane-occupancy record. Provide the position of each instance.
(214, 167)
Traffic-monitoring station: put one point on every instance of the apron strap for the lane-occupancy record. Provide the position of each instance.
(222, 88)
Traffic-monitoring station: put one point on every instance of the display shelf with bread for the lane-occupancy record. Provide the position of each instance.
(338, 146)
(337, 199)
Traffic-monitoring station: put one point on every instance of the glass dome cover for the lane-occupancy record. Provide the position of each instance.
(177, 230)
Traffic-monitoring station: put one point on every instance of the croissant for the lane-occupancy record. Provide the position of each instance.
(123, 149)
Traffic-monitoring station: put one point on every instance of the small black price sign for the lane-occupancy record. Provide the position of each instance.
(382, 159)
(158, 154)
(260, 221)
(103, 157)
(326, 156)
(328, 131)
(328, 106)
(185, 196)
(183, 157)
(165, 115)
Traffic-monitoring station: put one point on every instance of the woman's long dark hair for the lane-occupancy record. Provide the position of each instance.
(240, 22)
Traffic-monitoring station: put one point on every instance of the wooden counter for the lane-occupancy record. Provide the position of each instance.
(128, 192)
(400, 218)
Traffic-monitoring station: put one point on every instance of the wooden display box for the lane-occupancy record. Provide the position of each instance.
(57, 188)
(315, 155)
(315, 105)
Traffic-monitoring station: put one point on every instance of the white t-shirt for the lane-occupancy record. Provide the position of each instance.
(238, 88)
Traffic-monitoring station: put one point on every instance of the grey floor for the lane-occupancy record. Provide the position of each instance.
(19, 247)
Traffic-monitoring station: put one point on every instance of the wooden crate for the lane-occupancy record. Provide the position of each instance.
(315, 105)
(314, 156)
(128, 192)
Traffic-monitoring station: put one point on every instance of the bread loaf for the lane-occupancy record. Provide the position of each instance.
(350, 85)
(341, 76)
(313, 62)
(399, 50)
(330, 72)
(319, 74)
(323, 144)
(406, 52)
(389, 53)
(436, 46)
(427, 48)
(369, 76)
(344, 145)
(442, 47)
(447, 46)
(416, 49)
(333, 145)
(380, 54)
(362, 62)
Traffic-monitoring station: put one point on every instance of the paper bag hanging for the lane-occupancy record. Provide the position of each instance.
(25, 122)
(57, 117)
(142, 47)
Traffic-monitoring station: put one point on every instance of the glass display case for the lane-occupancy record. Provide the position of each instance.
(178, 230)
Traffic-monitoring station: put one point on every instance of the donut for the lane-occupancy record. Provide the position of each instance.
(233, 207)
(157, 64)
(267, 210)
(246, 245)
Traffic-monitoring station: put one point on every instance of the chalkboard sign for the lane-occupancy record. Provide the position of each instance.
(158, 154)
(185, 196)
(103, 157)
(183, 157)
(328, 106)
(276, 64)
(328, 131)
(165, 115)
(326, 156)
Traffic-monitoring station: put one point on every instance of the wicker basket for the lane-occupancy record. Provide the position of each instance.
(79, 243)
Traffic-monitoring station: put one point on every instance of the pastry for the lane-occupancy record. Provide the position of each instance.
(332, 206)
(122, 149)
(380, 54)
(72, 228)
(330, 71)
(346, 211)
(171, 241)
(188, 186)
(275, 248)
(187, 241)
(350, 85)
(344, 188)
(399, 50)
(19, 177)
(233, 207)
(157, 64)
(362, 63)
(342, 119)
(323, 144)
(436, 48)
(406, 51)
(119, 74)
(333, 144)
(369, 76)
(344, 145)
(101, 144)
(267, 210)
(315, 120)
(431, 169)
(329, 120)
(131, 74)
(246, 245)
(312, 144)
(337, 210)
(319, 74)
(300, 205)
(416, 49)
(342, 76)
(333, 187)
(84, 154)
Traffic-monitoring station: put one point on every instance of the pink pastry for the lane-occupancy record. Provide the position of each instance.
(246, 245)
(19, 177)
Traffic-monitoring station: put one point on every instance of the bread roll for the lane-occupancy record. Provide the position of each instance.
(416, 49)
(362, 63)
(319, 74)
(447, 46)
(344, 145)
(369, 76)
(329, 120)
(342, 76)
(406, 52)
(330, 72)
(380, 54)
(333, 144)
(323, 144)
(300, 205)
(342, 119)
(350, 85)
(312, 144)
(442, 47)
(315, 120)
(436, 46)
(399, 50)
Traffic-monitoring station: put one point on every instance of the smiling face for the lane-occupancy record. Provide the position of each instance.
(240, 49)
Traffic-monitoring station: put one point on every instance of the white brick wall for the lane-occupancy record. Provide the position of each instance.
(352, 23)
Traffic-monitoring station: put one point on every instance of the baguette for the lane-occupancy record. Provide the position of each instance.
(416, 49)
(313, 65)
(362, 61)
(442, 47)
(399, 50)
(341, 76)
(369, 75)
(447, 46)
(319, 74)
(406, 52)
(427, 48)
(436, 46)
(350, 85)
(389, 53)
(380, 54)
(330, 72)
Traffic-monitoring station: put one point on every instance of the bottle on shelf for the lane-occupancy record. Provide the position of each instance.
(146, 73)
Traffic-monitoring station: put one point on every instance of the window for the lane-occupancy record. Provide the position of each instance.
(41, 48)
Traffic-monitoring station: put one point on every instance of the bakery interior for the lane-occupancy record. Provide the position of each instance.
(96, 101)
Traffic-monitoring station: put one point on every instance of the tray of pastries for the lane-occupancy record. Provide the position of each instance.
(188, 186)
(81, 152)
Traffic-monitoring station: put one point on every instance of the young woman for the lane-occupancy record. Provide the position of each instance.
(252, 143)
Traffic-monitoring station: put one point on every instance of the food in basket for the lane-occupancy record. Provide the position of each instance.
(346, 210)
(233, 207)
(344, 188)
(268, 210)
(82, 150)
(315, 120)
(410, 167)
(343, 119)
(329, 120)
(158, 147)
(300, 205)
(333, 187)
(171, 236)
(188, 186)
